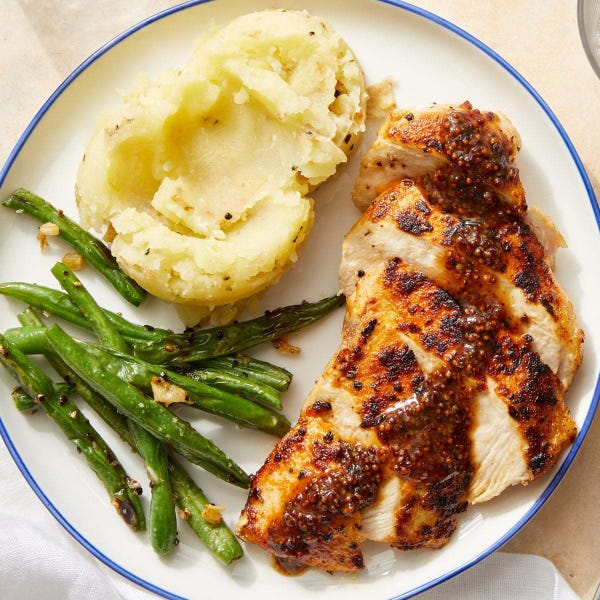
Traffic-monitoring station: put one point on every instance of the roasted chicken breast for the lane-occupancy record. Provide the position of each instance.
(457, 347)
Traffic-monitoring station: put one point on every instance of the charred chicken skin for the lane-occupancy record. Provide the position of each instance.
(457, 348)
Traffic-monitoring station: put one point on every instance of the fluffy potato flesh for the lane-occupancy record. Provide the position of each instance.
(204, 173)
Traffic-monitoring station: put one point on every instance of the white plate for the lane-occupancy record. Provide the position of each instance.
(430, 60)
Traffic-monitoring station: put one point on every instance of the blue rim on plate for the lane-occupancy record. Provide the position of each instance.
(591, 196)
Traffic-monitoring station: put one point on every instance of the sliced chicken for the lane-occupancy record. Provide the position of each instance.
(472, 179)
(457, 347)
(545, 231)
(502, 257)
(419, 141)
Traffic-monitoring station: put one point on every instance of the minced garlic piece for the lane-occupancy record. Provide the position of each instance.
(166, 393)
(46, 230)
(281, 345)
(184, 513)
(49, 229)
(43, 241)
(213, 514)
(73, 260)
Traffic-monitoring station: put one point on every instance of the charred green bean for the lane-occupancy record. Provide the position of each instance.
(78, 430)
(91, 249)
(149, 414)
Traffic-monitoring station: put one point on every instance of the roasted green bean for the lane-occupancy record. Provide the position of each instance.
(91, 249)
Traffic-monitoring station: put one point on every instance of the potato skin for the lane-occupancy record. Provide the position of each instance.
(204, 174)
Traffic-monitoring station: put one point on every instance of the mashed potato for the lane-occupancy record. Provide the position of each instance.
(204, 173)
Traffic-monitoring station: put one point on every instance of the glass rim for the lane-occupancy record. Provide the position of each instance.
(592, 54)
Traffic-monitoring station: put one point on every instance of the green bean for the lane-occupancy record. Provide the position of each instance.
(78, 430)
(199, 344)
(228, 380)
(29, 339)
(192, 344)
(87, 306)
(231, 382)
(152, 416)
(218, 537)
(91, 249)
(30, 318)
(207, 398)
(211, 381)
(162, 520)
(233, 407)
(23, 401)
(59, 304)
(250, 368)
(112, 339)
(34, 325)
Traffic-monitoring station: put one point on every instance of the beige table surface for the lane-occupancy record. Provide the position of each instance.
(42, 41)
